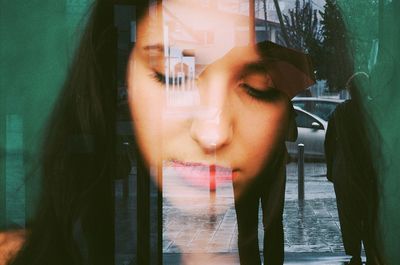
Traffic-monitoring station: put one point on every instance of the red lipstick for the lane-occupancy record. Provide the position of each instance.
(200, 174)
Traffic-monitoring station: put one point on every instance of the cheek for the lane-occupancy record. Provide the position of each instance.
(261, 134)
(146, 101)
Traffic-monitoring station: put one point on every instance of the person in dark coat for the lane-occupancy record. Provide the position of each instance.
(350, 168)
(270, 190)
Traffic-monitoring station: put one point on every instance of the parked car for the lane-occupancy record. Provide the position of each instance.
(318, 106)
(311, 132)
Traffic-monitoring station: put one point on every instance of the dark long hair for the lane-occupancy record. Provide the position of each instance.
(74, 220)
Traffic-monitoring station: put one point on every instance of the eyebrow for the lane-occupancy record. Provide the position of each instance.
(154, 48)
(259, 66)
(160, 48)
(254, 67)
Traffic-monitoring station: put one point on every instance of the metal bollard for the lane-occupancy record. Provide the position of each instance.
(212, 179)
(300, 169)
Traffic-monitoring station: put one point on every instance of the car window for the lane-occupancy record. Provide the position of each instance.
(304, 120)
(305, 105)
(324, 109)
(300, 104)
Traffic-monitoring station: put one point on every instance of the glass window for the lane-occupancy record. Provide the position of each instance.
(303, 120)
(324, 109)
(300, 104)
(122, 114)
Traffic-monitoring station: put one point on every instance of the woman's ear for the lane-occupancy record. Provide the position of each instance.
(291, 134)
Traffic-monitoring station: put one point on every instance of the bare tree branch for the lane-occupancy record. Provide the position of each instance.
(283, 27)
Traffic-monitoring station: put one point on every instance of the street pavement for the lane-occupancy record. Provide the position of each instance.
(208, 224)
(200, 225)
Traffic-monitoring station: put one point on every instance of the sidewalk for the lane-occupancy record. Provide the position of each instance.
(206, 227)
(209, 226)
(290, 259)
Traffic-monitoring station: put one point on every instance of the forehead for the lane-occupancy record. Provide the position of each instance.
(197, 25)
(199, 14)
(209, 33)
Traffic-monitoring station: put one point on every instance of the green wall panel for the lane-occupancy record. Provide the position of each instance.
(37, 41)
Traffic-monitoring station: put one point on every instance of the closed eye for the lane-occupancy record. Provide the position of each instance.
(269, 94)
(160, 78)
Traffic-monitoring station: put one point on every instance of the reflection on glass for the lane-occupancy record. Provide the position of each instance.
(204, 90)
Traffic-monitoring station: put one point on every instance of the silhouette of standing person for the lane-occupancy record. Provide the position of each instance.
(290, 76)
(350, 168)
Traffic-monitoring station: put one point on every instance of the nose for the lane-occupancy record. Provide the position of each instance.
(212, 132)
(212, 129)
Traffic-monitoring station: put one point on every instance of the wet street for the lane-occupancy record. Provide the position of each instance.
(205, 226)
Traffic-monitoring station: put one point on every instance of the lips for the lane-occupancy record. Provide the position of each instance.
(202, 175)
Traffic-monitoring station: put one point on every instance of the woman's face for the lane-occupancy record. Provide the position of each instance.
(201, 98)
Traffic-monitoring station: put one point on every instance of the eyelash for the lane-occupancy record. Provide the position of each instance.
(271, 94)
(160, 78)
